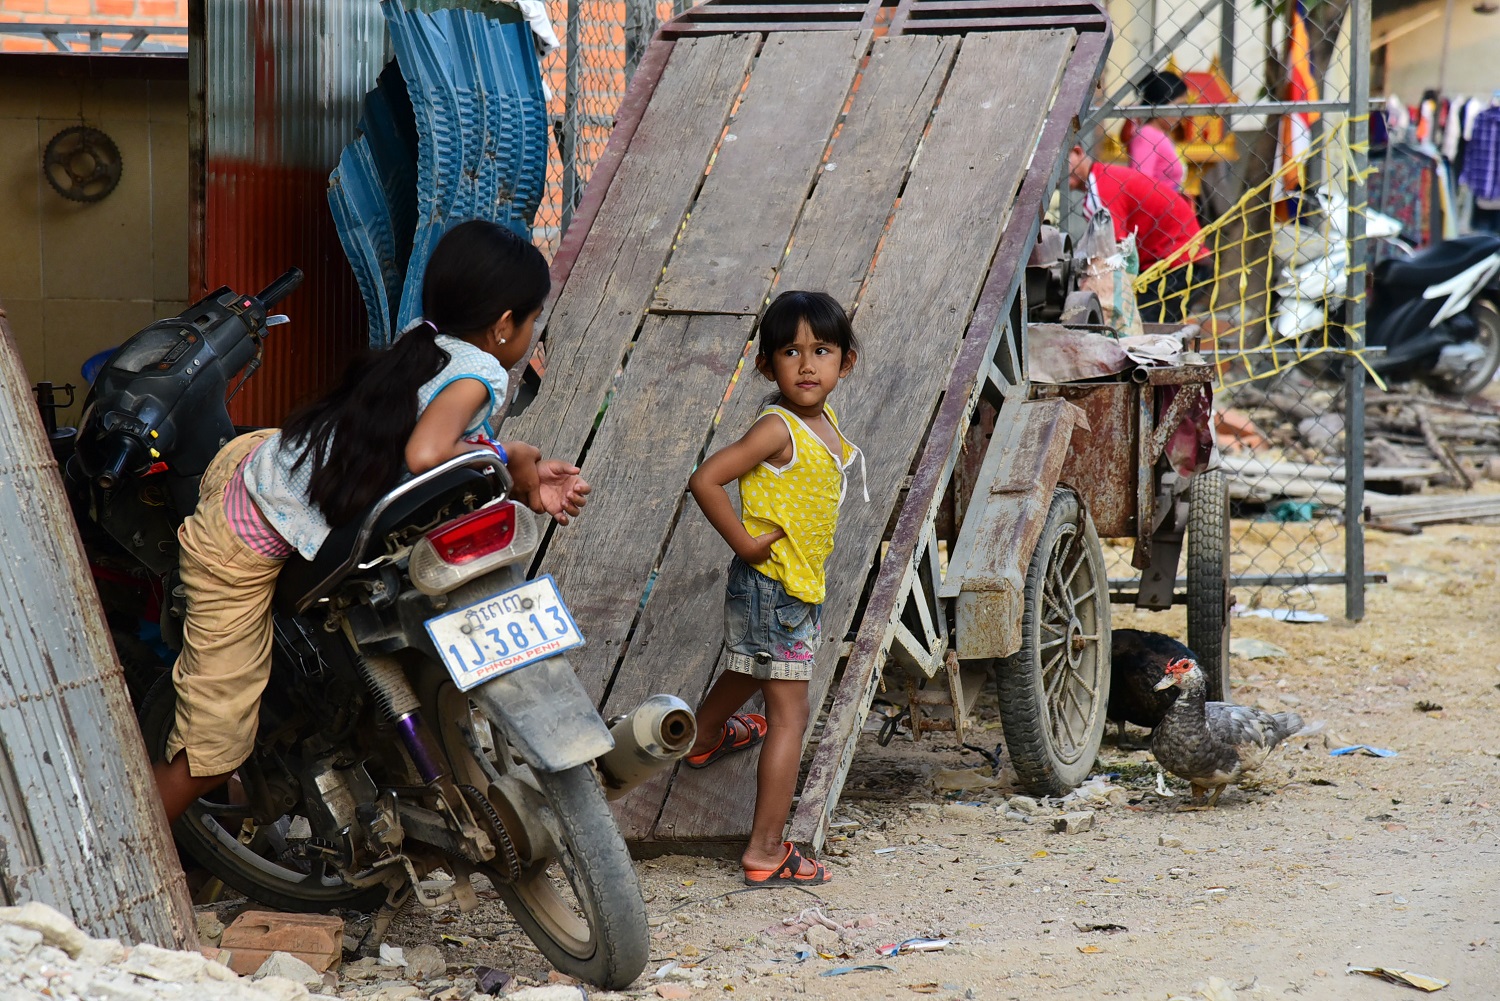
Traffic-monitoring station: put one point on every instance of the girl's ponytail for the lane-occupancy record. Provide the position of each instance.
(355, 437)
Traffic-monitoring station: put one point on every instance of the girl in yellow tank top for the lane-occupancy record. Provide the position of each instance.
(792, 467)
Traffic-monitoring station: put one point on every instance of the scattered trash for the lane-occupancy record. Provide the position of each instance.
(462, 941)
(1280, 614)
(802, 955)
(1374, 752)
(1253, 649)
(913, 945)
(1290, 511)
(1074, 823)
(1089, 950)
(490, 980)
(1425, 706)
(391, 955)
(813, 916)
(664, 969)
(1420, 981)
(1161, 785)
(1107, 927)
(839, 971)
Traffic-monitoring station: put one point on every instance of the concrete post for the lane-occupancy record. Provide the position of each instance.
(81, 828)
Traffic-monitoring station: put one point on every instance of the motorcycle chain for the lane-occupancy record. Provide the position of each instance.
(506, 854)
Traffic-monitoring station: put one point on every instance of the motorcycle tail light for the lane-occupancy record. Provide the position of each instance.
(471, 546)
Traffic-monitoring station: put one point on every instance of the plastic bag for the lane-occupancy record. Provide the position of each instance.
(1107, 267)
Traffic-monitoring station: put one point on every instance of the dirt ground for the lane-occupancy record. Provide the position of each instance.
(1328, 862)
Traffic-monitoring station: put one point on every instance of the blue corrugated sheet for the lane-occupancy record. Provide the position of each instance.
(456, 129)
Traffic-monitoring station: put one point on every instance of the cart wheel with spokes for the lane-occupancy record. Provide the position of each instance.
(1208, 592)
(1053, 691)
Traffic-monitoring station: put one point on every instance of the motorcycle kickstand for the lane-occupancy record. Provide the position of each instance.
(395, 903)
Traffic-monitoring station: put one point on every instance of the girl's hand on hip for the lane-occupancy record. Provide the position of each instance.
(562, 493)
(759, 549)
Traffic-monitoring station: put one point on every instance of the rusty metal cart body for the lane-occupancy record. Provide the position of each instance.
(898, 156)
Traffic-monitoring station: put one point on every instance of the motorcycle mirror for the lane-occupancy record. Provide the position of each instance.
(277, 319)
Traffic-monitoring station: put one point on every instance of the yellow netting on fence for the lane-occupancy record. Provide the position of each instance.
(1274, 293)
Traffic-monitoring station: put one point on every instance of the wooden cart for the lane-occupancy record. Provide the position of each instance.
(899, 156)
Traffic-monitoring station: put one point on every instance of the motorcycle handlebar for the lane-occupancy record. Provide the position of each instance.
(280, 288)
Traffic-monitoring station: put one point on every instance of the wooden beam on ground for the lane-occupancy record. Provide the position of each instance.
(677, 643)
(609, 285)
(913, 316)
(763, 173)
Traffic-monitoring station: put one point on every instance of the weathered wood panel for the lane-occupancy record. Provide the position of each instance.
(858, 186)
(677, 642)
(598, 311)
(989, 336)
(762, 174)
(644, 451)
(912, 318)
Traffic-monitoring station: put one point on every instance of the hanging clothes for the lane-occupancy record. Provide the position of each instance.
(1482, 156)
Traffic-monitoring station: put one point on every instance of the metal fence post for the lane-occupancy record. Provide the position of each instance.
(1354, 395)
(81, 828)
(568, 148)
(640, 25)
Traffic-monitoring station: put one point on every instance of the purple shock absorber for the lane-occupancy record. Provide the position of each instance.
(411, 729)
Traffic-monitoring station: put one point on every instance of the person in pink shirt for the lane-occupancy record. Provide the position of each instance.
(1150, 145)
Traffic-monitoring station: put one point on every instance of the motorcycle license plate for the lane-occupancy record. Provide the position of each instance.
(504, 632)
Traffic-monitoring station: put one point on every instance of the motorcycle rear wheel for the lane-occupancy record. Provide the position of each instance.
(580, 901)
(251, 861)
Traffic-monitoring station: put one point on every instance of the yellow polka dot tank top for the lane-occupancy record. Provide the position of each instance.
(802, 499)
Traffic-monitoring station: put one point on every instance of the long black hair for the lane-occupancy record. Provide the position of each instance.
(355, 436)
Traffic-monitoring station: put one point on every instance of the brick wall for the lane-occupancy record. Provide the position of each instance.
(133, 12)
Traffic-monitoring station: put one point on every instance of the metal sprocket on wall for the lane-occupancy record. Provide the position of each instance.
(82, 164)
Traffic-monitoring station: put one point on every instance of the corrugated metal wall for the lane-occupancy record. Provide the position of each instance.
(277, 92)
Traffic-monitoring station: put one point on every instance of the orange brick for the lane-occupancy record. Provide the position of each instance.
(25, 6)
(70, 8)
(316, 939)
(162, 10)
(116, 10)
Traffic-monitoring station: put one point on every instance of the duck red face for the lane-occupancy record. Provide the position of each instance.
(1175, 672)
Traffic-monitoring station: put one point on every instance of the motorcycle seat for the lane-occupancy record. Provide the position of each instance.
(302, 581)
(1437, 264)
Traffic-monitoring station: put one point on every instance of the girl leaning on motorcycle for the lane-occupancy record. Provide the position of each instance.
(438, 392)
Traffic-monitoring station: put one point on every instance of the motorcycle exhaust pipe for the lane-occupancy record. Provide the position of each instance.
(647, 739)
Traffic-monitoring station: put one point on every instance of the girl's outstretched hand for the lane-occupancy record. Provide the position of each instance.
(561, 492)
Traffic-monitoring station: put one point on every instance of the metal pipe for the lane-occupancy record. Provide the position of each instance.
(412, 737)
(1222, 108)
(568, 146)
(1354, 382)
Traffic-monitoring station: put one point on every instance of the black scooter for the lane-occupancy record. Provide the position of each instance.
(1437, 314)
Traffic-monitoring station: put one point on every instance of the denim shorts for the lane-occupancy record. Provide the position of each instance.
(771, 635)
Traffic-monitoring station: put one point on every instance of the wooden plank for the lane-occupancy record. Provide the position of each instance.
(857, 190)
(598, 311)
(762, 174)
(989, 335)
(933, 264)
(645, 449)
(676, 645)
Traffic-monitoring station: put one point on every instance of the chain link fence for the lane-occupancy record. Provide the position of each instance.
(1231, 138)
(602, 42)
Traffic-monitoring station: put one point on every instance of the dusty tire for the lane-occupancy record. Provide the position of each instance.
(1054, 690)
(1208, 593)
(614, 946)
(203, 839)
(1487, 317)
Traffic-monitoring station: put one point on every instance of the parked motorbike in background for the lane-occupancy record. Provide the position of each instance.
(422, 724)
(1435, 312)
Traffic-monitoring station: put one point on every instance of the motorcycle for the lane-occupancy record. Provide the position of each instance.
(1436, 313)
(422, 724)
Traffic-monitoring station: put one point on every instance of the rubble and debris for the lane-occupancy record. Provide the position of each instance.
(1407, 978)
(1077, 822)
(1366, 749)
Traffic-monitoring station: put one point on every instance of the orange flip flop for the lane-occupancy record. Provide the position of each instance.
(789, 871)
(742, 731)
